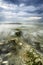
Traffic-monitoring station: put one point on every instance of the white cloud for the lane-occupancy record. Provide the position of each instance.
(27, 8)
(22, 5)
(33, 18)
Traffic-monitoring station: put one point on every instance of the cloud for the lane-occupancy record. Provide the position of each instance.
(33, 18)
(12, 12)
(27, 2)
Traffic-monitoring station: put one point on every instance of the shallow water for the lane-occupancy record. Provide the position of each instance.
(32, 35)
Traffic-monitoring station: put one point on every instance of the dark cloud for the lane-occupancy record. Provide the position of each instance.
(27, 2)
(38, 12)
(36, 3)
(12, 1)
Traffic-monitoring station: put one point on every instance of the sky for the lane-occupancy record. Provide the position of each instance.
(17, 11)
